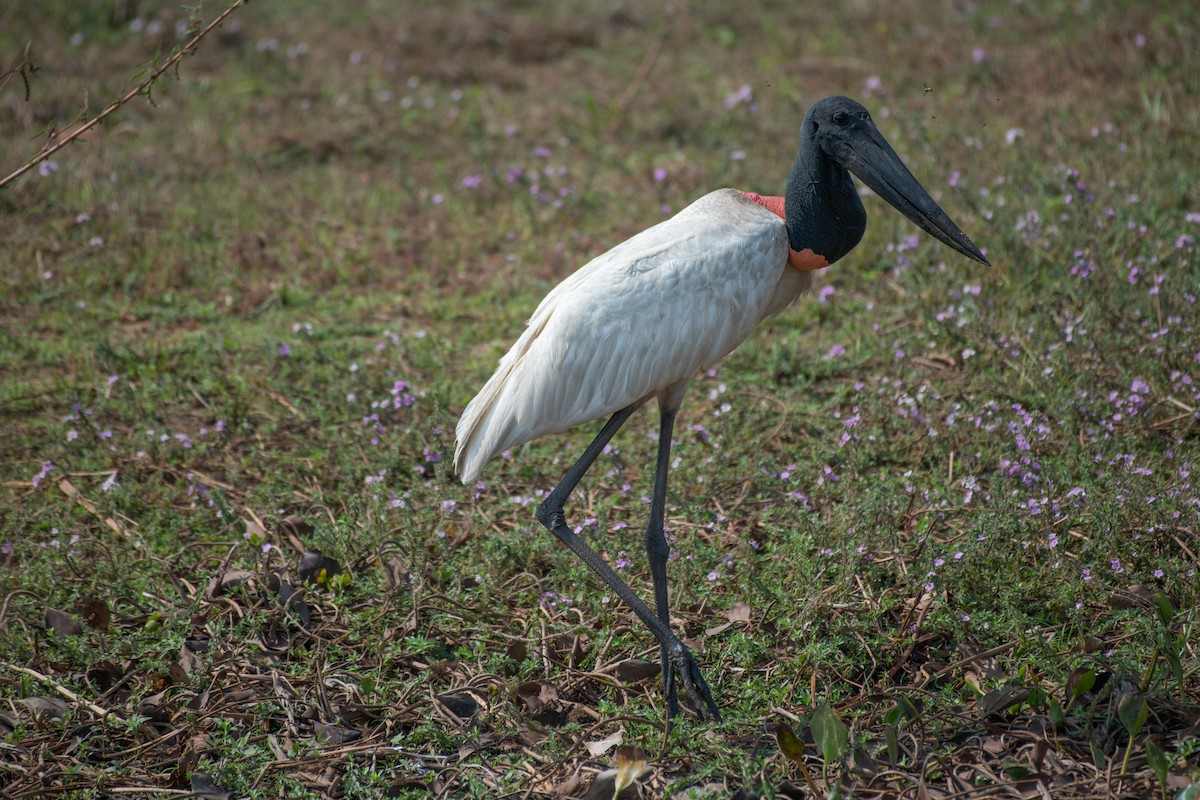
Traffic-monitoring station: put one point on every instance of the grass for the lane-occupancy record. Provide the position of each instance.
(239, 324)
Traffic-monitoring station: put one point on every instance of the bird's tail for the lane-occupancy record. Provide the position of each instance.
(486, 426)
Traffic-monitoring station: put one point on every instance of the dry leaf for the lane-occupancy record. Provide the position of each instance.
(569, 648)
(461, 705)
(334, 734)
(540, 700)
(51, 707)
(228, 582)
(599, 748)
(631, 763)
(204, 788)
(633, 670)
(317, 567)
(739, 613)
(61, 622)
(94, 612)
(567, 786)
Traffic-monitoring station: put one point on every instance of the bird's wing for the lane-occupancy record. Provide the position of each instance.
(637, 320)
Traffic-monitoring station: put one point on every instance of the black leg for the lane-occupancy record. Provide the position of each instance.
(683, 670)
(657, 549)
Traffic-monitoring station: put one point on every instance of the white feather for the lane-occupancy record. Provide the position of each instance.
(635, 323)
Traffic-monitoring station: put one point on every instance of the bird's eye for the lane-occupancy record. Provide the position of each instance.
(840, 117)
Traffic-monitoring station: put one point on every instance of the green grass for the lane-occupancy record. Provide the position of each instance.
(241, 322)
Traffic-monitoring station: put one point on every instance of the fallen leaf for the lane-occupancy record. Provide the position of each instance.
(228, 582)
(152, 707)
(61, 622)
(789, 744)
(317, 567)
(104, 674)
(567, 786)
(739, 613)
(292, 599)
(716, 629)
(631, 763)
(296, 525)
(51, 707)
(604, 786)
(1000, 700)
(602, 746)
(203, 788)
(569, 648)
(461, 705)
(517, 650)
(94, 612)
(334, 734)
(540, 700)
(633, 670)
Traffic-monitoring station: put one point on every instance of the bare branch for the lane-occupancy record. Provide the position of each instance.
(51, 147)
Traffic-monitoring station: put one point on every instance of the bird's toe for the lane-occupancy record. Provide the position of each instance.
(683, 676)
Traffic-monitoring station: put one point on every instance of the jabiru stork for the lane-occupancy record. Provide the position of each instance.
(637, 322)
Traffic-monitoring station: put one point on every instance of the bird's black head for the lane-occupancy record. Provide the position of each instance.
(838, 131)
(832, 123)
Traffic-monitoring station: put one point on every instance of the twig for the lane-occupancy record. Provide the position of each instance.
(639, 77)
(50, 149)
(99, 711)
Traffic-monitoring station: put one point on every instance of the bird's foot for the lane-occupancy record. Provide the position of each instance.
(681, 673)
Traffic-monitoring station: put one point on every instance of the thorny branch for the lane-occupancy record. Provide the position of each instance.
(54, 144)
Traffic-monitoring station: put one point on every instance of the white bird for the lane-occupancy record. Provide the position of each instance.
(639, 321)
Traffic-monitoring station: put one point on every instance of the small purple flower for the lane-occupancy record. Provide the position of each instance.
(835, 351)
(744, 94)
(660, 174)
(46, 469)
(285, 350)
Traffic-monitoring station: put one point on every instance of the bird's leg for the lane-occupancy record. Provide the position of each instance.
(684, 669)
(657, 549)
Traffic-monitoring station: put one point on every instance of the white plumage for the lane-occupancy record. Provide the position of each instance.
(635, 323)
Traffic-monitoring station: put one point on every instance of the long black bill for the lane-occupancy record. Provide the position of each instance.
(873, 161)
